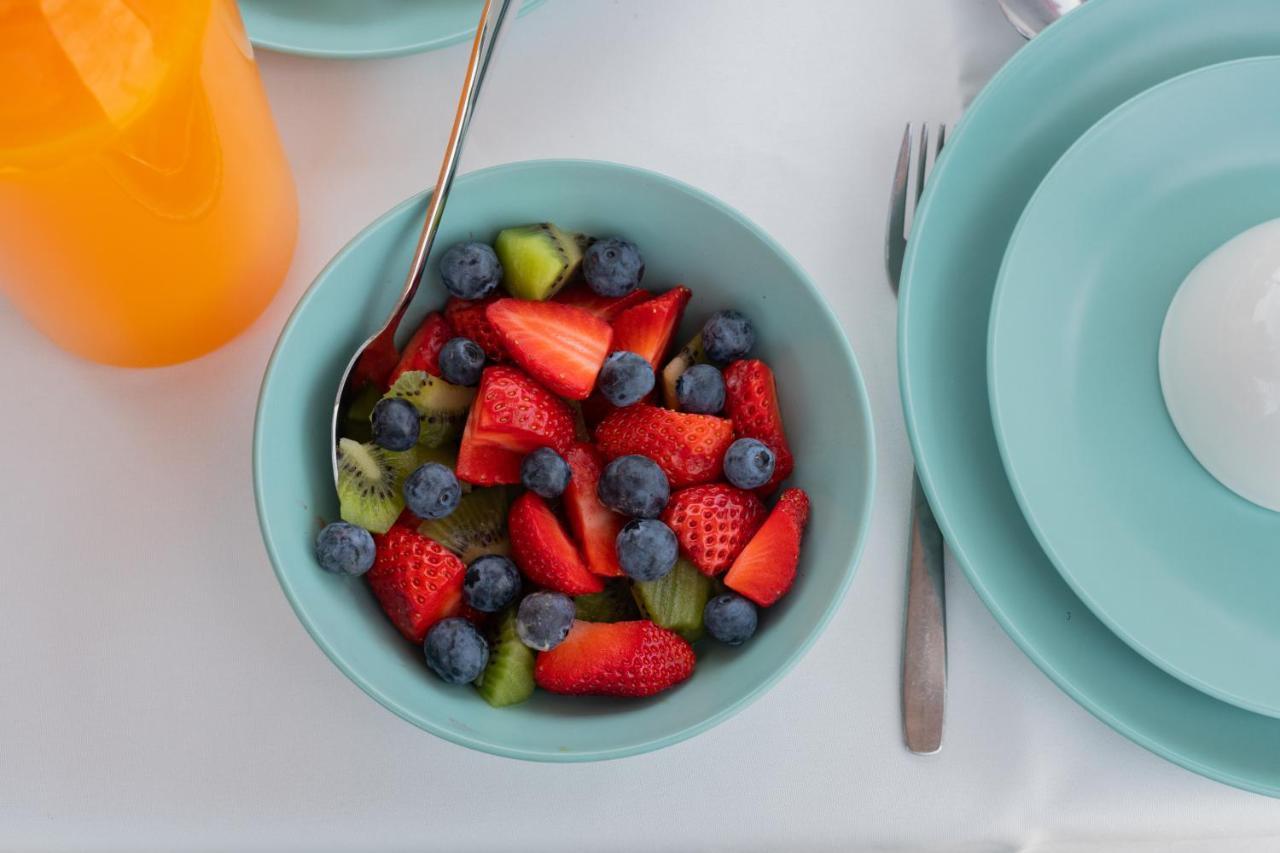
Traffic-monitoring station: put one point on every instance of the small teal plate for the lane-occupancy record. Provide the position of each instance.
(361, 29)
(1184, 570)
(686, 236)
(1041, 102)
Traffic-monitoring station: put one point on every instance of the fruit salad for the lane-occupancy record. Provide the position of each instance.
(539, 494)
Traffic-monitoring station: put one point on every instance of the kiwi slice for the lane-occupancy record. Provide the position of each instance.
(584, 241)
(537, 260)
(355, 423)
(369, 481)
(478, 526)
(508, 677)
(613, 604)
(676, 600)
(689, 355)
(441, 405)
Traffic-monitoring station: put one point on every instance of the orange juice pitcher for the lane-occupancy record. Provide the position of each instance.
(147, 212)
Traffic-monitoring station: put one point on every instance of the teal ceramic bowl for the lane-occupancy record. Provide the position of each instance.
(361, 29)
(1181, 568)
(687, 237)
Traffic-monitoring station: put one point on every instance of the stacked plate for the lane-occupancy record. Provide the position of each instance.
(1100, 455)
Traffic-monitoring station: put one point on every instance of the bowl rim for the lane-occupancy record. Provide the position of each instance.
(483, 744)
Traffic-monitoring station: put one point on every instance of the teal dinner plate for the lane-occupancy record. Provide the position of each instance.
(1040, 103)
(685, 236)
(1183, 569)
(361, 29)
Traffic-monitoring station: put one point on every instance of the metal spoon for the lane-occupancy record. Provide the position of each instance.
(377, 356)
(1029, 17)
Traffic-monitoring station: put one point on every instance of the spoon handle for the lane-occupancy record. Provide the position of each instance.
(492, 17)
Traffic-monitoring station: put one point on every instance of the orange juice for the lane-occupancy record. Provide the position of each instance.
(147, 213)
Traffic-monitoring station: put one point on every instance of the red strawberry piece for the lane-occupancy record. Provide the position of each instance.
(468, 319)
(607, 308)
(517, 413)
(713, 523)
(561, 346)
(594, 525)
(417, 581)
(766, 568)
(595, 409)
(376, 363)
(751, 402)
(423, 350)
(482, 463)
(689, 448)
(542, 549)
(615, 659)
(647, 328)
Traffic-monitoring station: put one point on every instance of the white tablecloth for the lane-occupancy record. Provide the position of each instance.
(158, 692)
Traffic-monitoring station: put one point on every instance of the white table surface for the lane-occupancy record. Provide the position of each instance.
(159, 693)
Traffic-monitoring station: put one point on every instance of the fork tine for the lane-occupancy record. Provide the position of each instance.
(895, 239)
(921, 156)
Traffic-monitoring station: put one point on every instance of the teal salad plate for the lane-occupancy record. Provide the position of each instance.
(1045, 98)
(686, 237)
(361, 29)
(1184, 570)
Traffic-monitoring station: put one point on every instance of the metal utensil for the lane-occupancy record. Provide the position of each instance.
(924, 648)
(1029, 17)
(377, 356)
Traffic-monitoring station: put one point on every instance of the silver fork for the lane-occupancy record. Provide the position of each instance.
(924, 647)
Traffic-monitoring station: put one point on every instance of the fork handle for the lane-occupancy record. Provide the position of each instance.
(924, 654)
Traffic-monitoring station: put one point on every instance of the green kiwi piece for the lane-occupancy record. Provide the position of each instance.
(675, 601)
(369, 483)
(537, 260)
(689, 355)
(441, 405)
(508, 677)
(584, 241)
(355, 423)
(477, 527)
(613, 604)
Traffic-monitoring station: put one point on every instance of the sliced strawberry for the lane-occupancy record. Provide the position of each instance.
(689, 448)
(766, 568)
(376, 363)
(423, 350)
(647, 328)
(417, 581)
(560, 345)
(615, 659)
(594, 525)
(713, 523)
(595, 409)
(483, 463)
(516, 413)
(607, 308)
(751, 402)
(468, 319)
(543, 551)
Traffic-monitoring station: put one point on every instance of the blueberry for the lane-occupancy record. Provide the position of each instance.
(613, 267)
(544, 620)
(625, 378)
(432, 491)
(470, 270)
(730, 619)
(635, 486)
(727, 335)
(345, 549)
(461, 361)
(455, 650)
(700, 389)
(647, 549)
(545, 473)
(395, 424)
(491, 583)
(748, 464)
